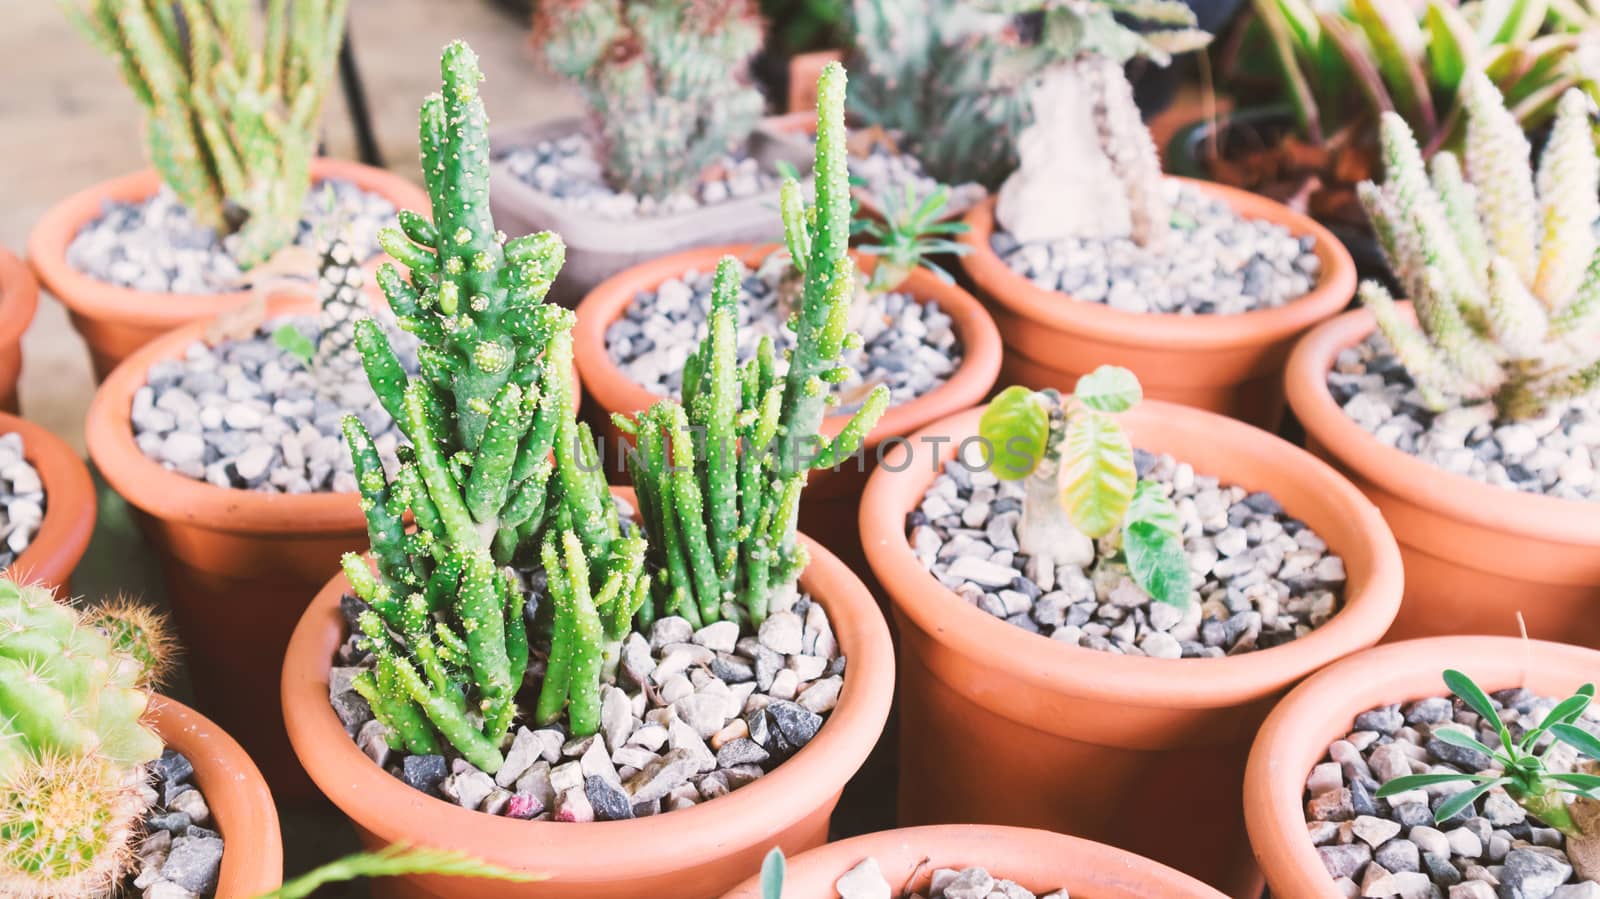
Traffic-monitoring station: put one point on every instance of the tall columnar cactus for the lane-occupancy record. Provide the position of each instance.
(666, 81)
(71, 742)
(231, 117)
(719, 475)
(494, 453)
(1500, 262)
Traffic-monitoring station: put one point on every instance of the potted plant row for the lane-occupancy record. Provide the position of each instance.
(231, 108)
(1466, 413)
(531, 676)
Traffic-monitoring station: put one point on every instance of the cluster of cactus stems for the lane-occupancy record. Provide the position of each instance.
(1500, 261)
(231, 118)
(73, 690)
(665, 80)
(719, 475)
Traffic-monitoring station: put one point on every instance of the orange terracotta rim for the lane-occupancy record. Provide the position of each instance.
(170, 496)
(1297, 733)
(69, 505)
(1054, 309)
(615, 391)
(382, 804)
(1539, 517)
(1037, 859)
(252, 852)
(1034, 662)
(19, 297)
(91, 297)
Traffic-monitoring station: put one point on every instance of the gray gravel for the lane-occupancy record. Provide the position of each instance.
(909, 346)
(866, 881)
(1557, 454)
(244, 414)
(1217, 263)
(694, 714)
(1264, 578)
(569, 170)
(155, 245)
(180, 856)
(22, 500)
(1393, 847)
(882, 171)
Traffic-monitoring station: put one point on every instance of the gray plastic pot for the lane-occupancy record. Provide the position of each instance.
(597, 247)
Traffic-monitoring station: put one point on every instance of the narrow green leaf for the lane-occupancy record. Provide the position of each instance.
(393, 861)
(1578, 739)
(1585, 782)
(1448, 808)
(1462, 739)
(1408, 782)
(1015, 426)
(1109, 389)
(1565, 712)
(1473, 695)
(1450, 44)
(1097, 473)
(772, 873)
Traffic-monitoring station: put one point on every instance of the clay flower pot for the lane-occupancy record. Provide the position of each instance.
(804, 70)
(1232, 364)
(1297, 733)
(1002, 726)
(239, 564)
(115, 320)
(241, 805)
(694, 853)
(1476, 555)
(1038, 860)
(828, 507)
(69, 507)
(19, 298)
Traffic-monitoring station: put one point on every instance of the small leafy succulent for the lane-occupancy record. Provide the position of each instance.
(1521, 764)
(909, 234)
(1081, 484)
(396, 860)
(1501, 263)
(773, 869)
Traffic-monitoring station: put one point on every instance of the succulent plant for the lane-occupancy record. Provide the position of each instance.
(911, 232)
(73, 693)
(666, 81)
(1081, 485)
(1499, 261)
(231, 116)
(773, 869)
(719, 475)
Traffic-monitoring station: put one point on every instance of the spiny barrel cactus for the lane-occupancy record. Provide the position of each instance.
(719, 475)
(494, 451)
(665, 80)
(1499, 261)
(73, 691)
(231, 118)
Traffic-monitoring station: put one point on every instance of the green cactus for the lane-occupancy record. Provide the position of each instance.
(231, 118)
(1501, 262)
(719, 475)
(666, 81)
(73, 691)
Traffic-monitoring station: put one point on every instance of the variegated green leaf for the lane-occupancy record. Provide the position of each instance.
(1015, 427)
(1109, 388)
(1097, 476)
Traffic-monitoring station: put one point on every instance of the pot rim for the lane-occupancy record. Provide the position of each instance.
(1044, 664)
(1275, 776)
(614, 391)
(1060, 311)
(1539, 517)
(85, 295)
(252, 859)
(68, 520)
(19, 297)
(1086, 866)
(377, 802)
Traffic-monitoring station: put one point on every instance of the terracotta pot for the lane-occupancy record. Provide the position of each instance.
(689, 854)
(69, 507)
(804, 70)
(599, 247)
(1477, 556)
(1231, 364)
(1002, 726)
(1037, 859)
(241, 805)
(19, 299)
(828, 508)
(1296, 735)
(239, 564)
(114, 320)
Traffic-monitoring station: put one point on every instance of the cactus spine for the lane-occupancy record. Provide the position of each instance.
(665, 81)
(231, 118)
(719, 475)
(1501, 262)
